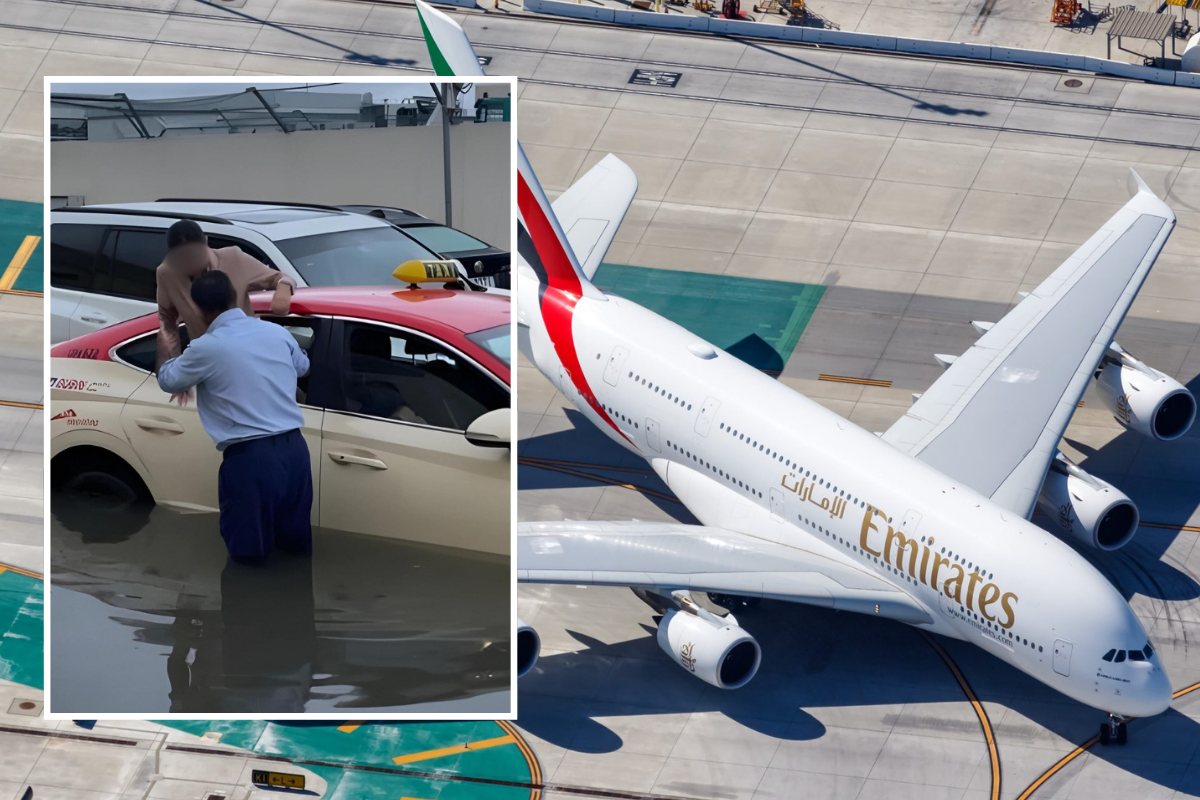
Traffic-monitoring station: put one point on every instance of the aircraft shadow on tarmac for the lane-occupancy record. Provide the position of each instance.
(1143, 566)
(348, 54)
(879, 663)
(826, 668)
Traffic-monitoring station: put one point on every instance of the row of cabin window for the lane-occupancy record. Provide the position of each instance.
(659, 390)
(719, 472)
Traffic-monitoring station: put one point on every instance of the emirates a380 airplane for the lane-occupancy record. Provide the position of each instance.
(927, 524)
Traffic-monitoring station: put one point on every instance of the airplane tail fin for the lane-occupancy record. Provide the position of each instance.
(540, 238)
(449, 49)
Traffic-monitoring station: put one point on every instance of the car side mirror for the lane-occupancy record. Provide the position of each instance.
(493, 429)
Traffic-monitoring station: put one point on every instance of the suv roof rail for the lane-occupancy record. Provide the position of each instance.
(247, 202)
(137, 212)
(355, 208)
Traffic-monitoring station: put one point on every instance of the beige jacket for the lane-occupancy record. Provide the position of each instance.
(247, 274)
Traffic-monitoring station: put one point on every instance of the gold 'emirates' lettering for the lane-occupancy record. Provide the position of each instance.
(896, 544)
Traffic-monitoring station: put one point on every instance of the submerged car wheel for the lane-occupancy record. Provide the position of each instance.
(101, 497)
(98, 476)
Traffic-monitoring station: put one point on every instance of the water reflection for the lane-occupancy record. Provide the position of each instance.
(149, 615)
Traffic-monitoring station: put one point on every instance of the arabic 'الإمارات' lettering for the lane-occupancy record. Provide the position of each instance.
(834, 505)
(896, 543)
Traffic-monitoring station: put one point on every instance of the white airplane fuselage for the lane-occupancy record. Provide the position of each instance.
(746, 453)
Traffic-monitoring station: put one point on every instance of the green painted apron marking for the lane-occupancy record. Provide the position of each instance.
(18, 220)
(21, 643)
(758, 321)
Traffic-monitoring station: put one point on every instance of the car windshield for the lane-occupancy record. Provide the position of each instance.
(441, 239)
(364, 257)
(497, 341)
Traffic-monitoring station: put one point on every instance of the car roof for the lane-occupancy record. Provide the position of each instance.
(276, 221)
(462, 310)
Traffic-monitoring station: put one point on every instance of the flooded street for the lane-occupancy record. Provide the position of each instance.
(150, 615)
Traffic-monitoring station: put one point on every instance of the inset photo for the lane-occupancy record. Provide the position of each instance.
(280, 392)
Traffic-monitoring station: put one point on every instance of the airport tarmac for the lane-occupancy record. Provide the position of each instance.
(921, 194)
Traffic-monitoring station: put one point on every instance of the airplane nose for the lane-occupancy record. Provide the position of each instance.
(1152, 695)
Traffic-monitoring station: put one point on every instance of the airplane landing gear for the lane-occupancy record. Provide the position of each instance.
(1114, 730)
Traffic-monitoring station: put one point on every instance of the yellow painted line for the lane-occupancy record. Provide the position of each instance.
(15, 404)
(1078, 751)
(980, 711)
(1186, 690)
(598, 478)
(847, 379)
(531, 760)
(532, 460)
(27, 573)
(18, 262)
(1062, 762)
(455, 750)
(1191, 528)
(349, 727)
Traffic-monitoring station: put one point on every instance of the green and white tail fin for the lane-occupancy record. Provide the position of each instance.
(449, 48)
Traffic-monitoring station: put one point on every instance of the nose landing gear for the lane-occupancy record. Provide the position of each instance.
(1114, 730)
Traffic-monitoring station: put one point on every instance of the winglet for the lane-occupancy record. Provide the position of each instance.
(1137, 181)
(449, 49)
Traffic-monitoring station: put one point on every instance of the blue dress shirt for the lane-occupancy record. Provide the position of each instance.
(244, 370)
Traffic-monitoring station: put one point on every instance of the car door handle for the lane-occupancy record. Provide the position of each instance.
(149, 424)
(94, 318)
(347, 458)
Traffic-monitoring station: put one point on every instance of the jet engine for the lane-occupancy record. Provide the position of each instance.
(1144, 399)
(529, 645)
(1090, 510)
(714, 649)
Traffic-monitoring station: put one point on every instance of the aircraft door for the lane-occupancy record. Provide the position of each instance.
(616, 362)
(908, 525)
(652, 437)
(777, 505)
(1062, 657)
(707, 412)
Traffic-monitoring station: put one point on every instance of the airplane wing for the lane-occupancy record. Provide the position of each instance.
(995, 418)
(657, 555)
(592, 209)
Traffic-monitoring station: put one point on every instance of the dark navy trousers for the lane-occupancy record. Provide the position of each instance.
(265, 492)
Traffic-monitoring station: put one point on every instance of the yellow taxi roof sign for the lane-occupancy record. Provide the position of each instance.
(418, 271)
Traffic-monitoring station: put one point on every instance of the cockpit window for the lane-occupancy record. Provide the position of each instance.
(1136, 655)
(1120, 656)
(1109, 655)
(1148, 650)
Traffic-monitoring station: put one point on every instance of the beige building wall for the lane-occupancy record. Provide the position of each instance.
(382, 166)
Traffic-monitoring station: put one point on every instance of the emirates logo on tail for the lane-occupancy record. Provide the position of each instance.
(68, 414)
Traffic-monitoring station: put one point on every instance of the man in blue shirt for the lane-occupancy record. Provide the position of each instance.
(245, 370)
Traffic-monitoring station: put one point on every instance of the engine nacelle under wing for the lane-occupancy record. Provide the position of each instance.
(529, 646)
(1092, 511)
(722, 655)
(1145, 400)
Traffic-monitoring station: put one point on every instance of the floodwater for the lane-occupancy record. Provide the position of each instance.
(149, 615)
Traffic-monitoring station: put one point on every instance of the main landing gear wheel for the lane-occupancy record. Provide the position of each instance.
(1115, 729)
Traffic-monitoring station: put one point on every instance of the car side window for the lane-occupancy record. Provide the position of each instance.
(218, 242)
(73, 250)
(135, 260)
(142, 351)
(304, 330)
(407, 377)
